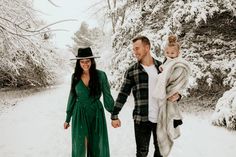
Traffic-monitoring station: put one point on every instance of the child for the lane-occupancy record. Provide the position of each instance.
(171, 50)
(173, 79)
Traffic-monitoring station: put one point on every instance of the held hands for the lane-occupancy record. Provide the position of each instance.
(174, 97)
(116, 123)
(66, 125)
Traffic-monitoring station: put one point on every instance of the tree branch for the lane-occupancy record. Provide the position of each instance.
(50, 1)
(33, 31)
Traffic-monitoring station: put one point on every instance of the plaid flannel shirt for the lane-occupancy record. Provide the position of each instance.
(135, 79)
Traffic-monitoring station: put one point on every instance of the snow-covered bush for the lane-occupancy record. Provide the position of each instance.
(225, 111)
(27, 55)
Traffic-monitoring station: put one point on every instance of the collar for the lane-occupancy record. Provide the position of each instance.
(156, 63)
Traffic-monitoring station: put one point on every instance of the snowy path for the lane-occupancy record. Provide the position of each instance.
(34, 128)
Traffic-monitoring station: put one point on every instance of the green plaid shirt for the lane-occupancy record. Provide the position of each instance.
(135, 79)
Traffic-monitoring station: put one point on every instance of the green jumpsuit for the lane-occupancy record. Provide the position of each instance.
(89, 130)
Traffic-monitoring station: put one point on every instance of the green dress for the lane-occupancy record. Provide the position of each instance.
(88, 119)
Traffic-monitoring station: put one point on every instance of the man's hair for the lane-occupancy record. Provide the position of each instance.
(144, 40)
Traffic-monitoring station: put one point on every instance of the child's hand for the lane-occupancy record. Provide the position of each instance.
(174, 97)
(161, 69)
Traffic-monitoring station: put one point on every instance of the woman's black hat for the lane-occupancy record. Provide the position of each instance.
(84, 53)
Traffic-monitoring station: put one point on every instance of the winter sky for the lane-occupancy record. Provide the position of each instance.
(67, 9)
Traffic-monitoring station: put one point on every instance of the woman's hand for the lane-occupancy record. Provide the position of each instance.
(66, 125)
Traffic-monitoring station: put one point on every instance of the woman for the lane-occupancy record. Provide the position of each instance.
(89, 130)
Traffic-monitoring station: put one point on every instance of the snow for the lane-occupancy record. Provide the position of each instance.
(225, 111)
(200, 138)
(34, 128)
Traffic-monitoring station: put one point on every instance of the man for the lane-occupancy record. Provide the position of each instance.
(141, 79)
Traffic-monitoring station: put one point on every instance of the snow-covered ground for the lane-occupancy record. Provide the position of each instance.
(34, 128)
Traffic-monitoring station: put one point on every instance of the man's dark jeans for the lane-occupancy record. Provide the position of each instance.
(143, 132)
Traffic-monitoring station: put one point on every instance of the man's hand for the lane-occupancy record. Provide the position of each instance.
(174, 97)
(116, 123)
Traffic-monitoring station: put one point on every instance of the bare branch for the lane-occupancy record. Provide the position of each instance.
(25, 35)
(95, 4)
(33, 31)
(50, 1)
(56, 23)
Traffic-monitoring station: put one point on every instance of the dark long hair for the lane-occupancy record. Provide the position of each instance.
(94, 84)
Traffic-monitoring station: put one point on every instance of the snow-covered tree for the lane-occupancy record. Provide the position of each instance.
(88, 37)
(205, 29)
(117, 11)
(27, 57)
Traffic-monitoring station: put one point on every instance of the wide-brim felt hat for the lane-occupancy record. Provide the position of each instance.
(85, 53)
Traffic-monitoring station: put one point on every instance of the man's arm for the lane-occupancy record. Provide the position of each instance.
(122, 96)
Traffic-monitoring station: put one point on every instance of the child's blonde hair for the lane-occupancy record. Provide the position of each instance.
(172, 41)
